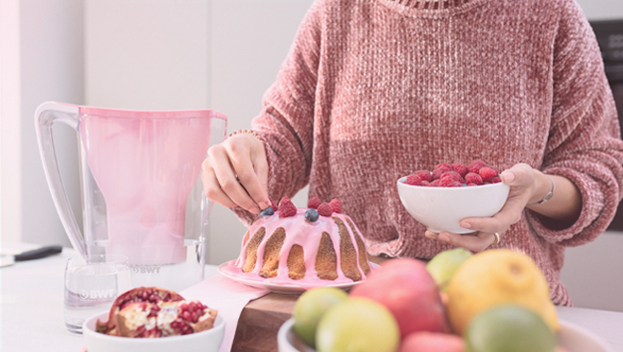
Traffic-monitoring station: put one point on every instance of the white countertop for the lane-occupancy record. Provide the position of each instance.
(31, 310)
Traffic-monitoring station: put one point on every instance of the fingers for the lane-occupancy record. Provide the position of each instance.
(221, 184)
(212, 188)
(251, 170)
(236, 173)
(521, 179)
(475, 242)
(509, 214)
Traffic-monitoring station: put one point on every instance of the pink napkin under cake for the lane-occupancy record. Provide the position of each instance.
(226, 296)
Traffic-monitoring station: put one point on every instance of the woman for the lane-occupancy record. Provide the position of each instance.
(374, 90)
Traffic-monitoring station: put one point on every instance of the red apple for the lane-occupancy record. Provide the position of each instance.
(408, 290)
(432, 341)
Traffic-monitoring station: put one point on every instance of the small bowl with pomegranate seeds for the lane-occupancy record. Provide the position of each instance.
(441, 198)
(153, 319)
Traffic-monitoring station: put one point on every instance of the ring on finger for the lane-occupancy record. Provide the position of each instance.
(496, 240)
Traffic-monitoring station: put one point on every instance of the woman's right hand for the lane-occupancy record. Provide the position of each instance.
(235, 173)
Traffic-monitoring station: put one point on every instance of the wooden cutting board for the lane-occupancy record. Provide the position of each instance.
(260, 321)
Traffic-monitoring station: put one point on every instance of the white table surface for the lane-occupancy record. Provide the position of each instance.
(31, 309)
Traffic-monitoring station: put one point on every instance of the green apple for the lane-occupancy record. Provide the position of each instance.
(310, 307)
(443, 266)
(509, 328)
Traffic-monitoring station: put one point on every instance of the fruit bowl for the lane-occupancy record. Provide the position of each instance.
(570, 337)
(203, 341)
(442, 208)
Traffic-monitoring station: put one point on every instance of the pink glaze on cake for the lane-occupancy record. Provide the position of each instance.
(307, 235)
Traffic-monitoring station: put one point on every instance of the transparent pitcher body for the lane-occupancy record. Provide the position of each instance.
(141, 187)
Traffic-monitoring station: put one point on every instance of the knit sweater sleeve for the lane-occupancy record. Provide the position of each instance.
(286, 120)
(584, 141)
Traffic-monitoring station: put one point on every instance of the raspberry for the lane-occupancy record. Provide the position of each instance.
(325, 209)
(443, 166)
(413, 180)
(473, 178)
(286, 208)
(425, 175)
(453, 175)
(273, 204)
(313, 203)
(460, 168)
(440, 169)
(449, 182)
(336, 205)
(488, 173)
(475, 166)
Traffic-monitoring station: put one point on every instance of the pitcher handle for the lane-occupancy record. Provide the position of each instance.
(45, 116)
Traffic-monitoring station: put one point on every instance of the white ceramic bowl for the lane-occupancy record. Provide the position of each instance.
(571, 337)
(289, 341)
(442, 208)
(204, 341)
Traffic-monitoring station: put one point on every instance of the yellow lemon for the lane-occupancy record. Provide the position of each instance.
(358, 324)
(495, 277)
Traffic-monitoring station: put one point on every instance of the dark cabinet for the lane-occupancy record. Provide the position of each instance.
(610, 37)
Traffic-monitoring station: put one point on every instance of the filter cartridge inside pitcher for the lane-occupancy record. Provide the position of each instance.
(143, 197)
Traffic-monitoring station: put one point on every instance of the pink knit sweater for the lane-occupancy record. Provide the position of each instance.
(373, 90)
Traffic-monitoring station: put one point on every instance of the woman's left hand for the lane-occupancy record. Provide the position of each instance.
(524, 182)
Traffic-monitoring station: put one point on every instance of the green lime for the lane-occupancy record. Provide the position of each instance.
(358, 325)
(444, 264)
(310, 307)
(509, 328)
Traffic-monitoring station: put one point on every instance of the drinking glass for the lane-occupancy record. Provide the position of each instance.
(91, 285)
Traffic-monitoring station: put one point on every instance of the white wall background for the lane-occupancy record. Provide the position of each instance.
(166, 54)
(41, 59)
(598, 10)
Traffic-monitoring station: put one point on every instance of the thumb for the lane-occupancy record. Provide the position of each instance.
(518, 175)
(507, 177)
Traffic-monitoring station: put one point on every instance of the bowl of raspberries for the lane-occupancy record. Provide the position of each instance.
(440, 198)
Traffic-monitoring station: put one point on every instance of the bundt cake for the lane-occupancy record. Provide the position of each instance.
(303, 246)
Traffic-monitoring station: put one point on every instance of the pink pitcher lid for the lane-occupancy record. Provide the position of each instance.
(126, 113)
